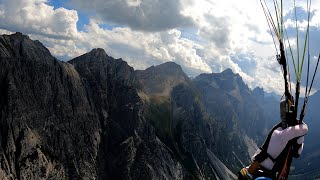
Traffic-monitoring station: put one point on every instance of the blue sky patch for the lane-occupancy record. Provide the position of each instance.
(83, 16)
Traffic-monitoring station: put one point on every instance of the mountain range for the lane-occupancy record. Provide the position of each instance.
(95, 117)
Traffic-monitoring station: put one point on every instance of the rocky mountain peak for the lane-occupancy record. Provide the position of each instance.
(98, 64)
(170, 66)
(17, 36)
(162, 78)
(97, 51)
(258, 91)
(167, 69)
(227, 71)
(226, 80)
(20, 45)
(97, 54)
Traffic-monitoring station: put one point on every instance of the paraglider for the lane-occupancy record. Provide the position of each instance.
(285, 140)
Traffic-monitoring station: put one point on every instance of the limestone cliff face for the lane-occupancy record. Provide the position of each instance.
(40, 117)
(76, 120)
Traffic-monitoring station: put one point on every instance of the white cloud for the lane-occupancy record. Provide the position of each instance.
(3, 31)
(229, 29)
(268, 75)
(61, 47)
(143, 49)
(146, 15)
(57, 30)
(36, 17)
(315, 21)
(133, 2)
(228, 34)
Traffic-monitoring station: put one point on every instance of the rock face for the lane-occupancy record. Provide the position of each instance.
(190, 131)
(37, 113)
(227, 97)
(77, 120)
(161, 79)
(129, 147)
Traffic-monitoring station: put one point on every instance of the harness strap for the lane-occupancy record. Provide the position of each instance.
(263, 155)
(255, 168)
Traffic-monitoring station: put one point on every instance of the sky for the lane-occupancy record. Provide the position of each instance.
(203, 36)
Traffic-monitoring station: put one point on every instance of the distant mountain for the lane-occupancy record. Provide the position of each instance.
(226, 96)
(259, 94)
(182, 123)
(161, 79)
(269, 103)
